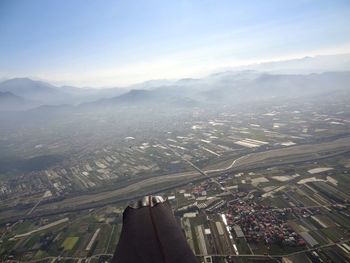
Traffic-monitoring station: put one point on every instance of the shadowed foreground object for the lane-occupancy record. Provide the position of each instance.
(151, 234)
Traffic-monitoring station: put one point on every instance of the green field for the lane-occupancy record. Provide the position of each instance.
(70, 242)
(242, 246)
(39, 254)
(334, 234)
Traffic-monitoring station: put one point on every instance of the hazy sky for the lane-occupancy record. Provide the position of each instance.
(104, 43)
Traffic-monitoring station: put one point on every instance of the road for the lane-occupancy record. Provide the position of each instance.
(228, 167)
(58, 222)
(205, 173)
(200, 255)
(35, 206)
(252, 161)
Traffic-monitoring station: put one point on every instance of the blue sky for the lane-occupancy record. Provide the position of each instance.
(106, 43)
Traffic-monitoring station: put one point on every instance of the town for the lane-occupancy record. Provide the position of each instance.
(245, 187)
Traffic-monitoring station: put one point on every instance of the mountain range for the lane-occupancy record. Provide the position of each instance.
(225, 87)
(37, 93)
(247, 84)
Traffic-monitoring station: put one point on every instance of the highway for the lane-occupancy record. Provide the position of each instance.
(228, 167)
(258, 160)
(205, 173)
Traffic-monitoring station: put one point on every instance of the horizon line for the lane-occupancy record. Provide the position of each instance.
(233, 68)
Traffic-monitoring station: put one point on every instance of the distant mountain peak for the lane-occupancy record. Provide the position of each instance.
(34, 90)
(7, 94)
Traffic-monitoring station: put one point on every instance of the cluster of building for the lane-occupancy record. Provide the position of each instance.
(259, 223)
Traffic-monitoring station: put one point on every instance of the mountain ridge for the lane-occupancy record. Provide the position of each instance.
(224, 87)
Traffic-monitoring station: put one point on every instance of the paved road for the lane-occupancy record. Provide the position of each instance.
(229, 166)
(205, 173)
(58, 222)
(200, 255)
(258, 160)
(279, 255)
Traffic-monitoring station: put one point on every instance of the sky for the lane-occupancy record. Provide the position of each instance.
(115, 43)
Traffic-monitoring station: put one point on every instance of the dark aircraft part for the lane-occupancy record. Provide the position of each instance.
(151, 234)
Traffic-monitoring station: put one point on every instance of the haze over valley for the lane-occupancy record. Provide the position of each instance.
(237, 114)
